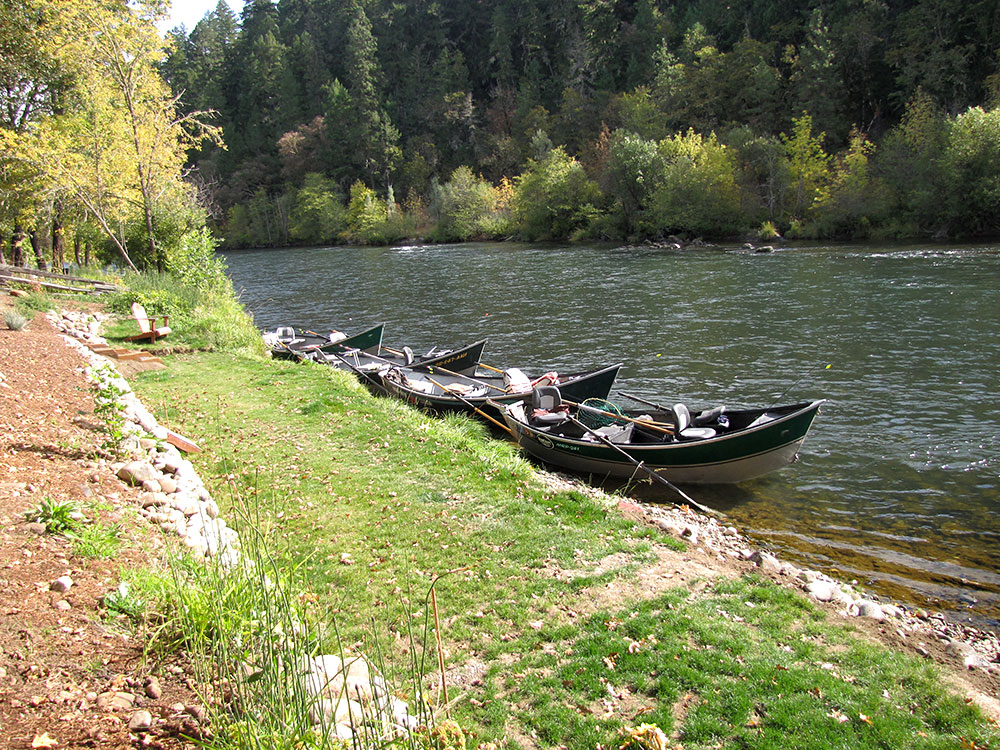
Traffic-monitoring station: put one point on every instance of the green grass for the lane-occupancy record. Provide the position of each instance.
(363, 502)
(96, 541)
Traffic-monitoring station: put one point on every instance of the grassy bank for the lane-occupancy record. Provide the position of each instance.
(548, 639)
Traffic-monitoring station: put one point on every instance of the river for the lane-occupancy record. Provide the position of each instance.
(897, 485)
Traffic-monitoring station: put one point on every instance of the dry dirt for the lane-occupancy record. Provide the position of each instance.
(61, 663)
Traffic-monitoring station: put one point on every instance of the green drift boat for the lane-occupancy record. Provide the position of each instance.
(713, 447)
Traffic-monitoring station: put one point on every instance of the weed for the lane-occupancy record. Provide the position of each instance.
(97, 541)
(109, 406)
(14, 320)
(122, 601)
(33, 302)
(58, 517)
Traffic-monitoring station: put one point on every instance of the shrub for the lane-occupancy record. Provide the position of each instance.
(14, 320)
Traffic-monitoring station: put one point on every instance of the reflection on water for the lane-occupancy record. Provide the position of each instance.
(897, 485)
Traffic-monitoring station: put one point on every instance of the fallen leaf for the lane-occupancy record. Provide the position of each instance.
(865, 719)
(43, 740)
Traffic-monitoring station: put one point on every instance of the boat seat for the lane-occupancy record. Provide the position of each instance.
(708, 417)
(545, 402)
(682, 419)
(407, 355)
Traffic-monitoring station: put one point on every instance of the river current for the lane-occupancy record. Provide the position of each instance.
(897, 485)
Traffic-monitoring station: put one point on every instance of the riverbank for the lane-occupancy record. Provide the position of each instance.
(371, 501)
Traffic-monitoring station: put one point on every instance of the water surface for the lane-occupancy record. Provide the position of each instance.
(897, 485)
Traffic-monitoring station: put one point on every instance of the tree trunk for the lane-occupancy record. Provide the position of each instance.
(86, 253)
(3, 259)
(76, 248)
(17, 246)
(58, 244)
(37, 247)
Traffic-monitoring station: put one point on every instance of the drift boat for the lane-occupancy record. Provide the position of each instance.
(716, 446)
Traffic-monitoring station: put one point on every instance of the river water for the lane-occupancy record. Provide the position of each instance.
(897, 484)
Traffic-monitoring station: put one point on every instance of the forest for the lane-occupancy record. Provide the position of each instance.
(302, 122)
(375, 120)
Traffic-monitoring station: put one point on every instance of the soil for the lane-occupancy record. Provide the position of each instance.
(71, 675)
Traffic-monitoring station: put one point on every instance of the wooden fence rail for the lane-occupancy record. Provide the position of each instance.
(15, 274)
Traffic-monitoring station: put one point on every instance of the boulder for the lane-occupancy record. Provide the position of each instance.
(137, 472)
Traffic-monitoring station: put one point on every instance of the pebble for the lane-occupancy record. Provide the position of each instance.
(35, 528)
(61, 584)
(63, 605)
(140, 721)
(152, 687)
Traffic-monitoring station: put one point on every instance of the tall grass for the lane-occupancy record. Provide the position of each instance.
(252, 630)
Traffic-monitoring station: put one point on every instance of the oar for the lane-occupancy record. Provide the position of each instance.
(643, 401)
(477, 381)
(664, 427)
(488, 367)
(360, 373)
(474, 408)
(641, 465)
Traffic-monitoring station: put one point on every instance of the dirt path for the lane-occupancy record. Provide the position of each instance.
(69, 675)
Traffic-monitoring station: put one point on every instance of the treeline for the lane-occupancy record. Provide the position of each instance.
(374, 120)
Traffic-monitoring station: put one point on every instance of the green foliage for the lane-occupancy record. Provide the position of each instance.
(808, 164)
(123, 601)
(365, 212)
(318, 216)
(109, 406)
(34, 302)
(855, 198)
(466, 207)
(97, 541)
(554, 198)
(971, 162)
(58, 516)
(633, 172)
(699, 193)
(194, 260)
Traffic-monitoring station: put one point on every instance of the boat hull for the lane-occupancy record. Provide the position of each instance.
(725, 459)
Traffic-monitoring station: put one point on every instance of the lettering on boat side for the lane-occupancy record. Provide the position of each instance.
(546, 442)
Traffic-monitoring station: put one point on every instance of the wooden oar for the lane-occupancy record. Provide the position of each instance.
(474, 408)
(488, 367)
(664, 427)
(643, 401)
(641, 465)
(478, 381)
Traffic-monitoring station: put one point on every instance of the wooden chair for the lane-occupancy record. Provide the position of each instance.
(147, 325)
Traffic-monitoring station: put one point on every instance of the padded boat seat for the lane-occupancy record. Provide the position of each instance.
(682, 418)
(545, 403)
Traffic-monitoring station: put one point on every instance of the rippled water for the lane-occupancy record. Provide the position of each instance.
(897, 485)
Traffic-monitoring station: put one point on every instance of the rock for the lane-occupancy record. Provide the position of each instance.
(168, 485)
(63, 606)
(765, 561)
(152, 688)
(140, 721)
(35, 528)
(151, 485)
(110, 701)
(964, 653)
(870, 609)
(822, 591)
(137, 472)
(61, 584)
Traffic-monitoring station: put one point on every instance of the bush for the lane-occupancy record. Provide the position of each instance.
(554, 198)
(467, 207)
(14, 320)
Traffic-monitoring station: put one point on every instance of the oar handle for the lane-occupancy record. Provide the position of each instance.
(445, 370)
(489, 367)
(641, 465)
(474, 408)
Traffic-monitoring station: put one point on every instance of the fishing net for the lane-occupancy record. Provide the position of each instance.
(596, 412)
